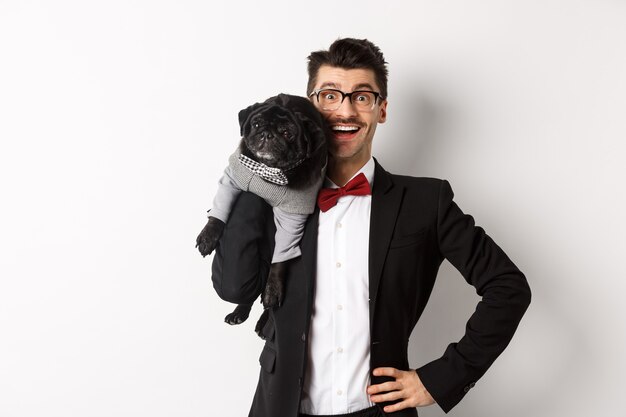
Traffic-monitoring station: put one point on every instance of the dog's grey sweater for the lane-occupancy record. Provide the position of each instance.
(301, 201)
(291, 207)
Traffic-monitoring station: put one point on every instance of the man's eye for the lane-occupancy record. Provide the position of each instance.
(361, 97)
(329, 96)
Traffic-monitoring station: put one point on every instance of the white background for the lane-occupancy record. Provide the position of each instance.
(116, 120)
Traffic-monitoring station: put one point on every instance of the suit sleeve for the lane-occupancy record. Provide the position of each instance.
(243, 254)
(505, 297)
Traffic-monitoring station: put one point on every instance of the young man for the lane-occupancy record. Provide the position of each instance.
(370, 256)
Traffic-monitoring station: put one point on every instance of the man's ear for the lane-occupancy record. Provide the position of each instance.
(382, 115)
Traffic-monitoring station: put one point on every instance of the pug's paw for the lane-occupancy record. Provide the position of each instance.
(239, 314)
(260, 324)
(273, 294)
(210, 235)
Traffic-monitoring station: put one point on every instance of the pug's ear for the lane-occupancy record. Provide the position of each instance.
(244, 116)
(315, 132)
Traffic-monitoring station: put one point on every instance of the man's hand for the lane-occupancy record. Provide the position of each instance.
(407, 386)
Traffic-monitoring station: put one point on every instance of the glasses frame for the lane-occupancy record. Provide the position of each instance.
(317, 92)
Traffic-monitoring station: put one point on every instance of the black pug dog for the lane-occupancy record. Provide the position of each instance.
(286, 133)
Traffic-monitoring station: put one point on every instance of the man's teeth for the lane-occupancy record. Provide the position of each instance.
(345, 128)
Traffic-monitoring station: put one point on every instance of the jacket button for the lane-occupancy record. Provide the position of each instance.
(469, 386)
(303, 337)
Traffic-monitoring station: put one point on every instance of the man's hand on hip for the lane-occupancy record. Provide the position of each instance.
(407, 386)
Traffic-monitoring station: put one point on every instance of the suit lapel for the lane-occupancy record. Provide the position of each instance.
(386, 198)
(309, 256)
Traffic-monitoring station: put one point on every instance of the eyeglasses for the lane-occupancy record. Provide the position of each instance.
(330, 99)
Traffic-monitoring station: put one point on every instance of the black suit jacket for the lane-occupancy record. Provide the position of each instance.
(414, 225)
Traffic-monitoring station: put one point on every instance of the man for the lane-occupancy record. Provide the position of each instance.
(338, 343)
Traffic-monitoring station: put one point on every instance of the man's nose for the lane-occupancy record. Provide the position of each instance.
(346, 108)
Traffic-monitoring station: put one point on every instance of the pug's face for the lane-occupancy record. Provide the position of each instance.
(282, 130)
(274, 136)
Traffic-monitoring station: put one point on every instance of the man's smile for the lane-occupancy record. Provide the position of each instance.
(344, 132)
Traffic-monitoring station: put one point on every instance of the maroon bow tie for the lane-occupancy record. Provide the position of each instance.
(327, 197)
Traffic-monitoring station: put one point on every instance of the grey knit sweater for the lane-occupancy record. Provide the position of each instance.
(301, 201)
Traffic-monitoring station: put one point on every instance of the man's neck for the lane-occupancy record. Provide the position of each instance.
(341, 170)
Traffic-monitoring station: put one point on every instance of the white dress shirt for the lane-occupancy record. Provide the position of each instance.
(337, 373)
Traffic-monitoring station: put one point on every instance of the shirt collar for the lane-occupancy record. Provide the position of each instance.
(367, 169)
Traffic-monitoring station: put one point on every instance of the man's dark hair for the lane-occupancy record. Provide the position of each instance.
(350, 53)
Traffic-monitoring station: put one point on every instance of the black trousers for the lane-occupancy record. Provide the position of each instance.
(373, 411)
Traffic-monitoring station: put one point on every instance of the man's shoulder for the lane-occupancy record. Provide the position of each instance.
(418, 190)
(249, 202)
(422, 185)
(409, 180)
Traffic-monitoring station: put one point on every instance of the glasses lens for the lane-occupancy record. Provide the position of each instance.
(363, 99)
(329, 99)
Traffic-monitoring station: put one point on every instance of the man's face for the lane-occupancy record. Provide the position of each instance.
(350, 145)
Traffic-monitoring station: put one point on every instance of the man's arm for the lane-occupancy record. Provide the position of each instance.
(505, 297)
(243, 255)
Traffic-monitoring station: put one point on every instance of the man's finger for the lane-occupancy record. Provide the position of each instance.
(397, 406)
(390, 396)
(387, 371)
(385, 386)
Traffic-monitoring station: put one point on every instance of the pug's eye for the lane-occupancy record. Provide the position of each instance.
(285, 134)
(255, 125)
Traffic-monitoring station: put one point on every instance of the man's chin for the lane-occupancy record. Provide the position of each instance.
(341, 152)
(344, 145)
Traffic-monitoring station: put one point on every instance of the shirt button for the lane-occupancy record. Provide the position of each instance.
(339, 349)
(339, 392)
(338, 264)
(339, 307)
(339, 225)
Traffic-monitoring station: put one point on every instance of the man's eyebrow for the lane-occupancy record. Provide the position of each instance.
(329, 84)
(363, 86)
